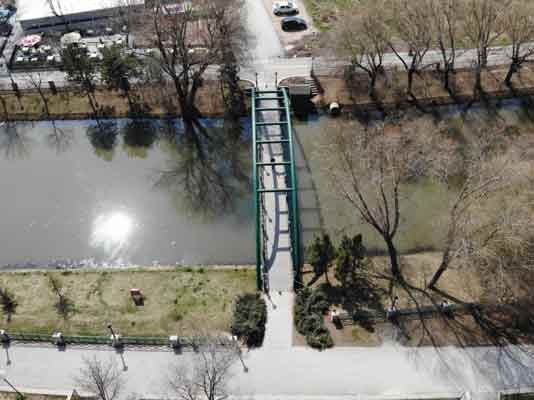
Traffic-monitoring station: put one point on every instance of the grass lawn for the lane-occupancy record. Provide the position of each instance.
(324, 12)
(178, 301)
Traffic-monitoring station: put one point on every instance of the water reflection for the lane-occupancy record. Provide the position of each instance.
(138, 137)
(103, 137)
(59, 139)
(14, 143)
(77, 210)
(206, 174)
(111, 233)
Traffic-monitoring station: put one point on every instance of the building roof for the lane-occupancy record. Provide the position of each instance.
(36, 9)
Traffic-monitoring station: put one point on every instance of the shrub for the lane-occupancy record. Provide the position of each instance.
(309, 323)
(320, 338)
(310, 301)
(310, 306)
(249, 318)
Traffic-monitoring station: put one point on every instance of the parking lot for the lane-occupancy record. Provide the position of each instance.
(46, 53)
(289, 39)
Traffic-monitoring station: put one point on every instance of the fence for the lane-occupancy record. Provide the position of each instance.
(421, 312)
(190, 341)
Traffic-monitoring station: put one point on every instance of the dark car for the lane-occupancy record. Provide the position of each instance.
(293, 24)
(5, 29)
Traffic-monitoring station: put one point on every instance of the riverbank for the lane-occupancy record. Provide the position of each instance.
(176, 301)
(428, 90)
(155, 101)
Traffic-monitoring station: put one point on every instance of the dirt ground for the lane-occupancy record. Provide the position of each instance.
(157, 100)
(430, 330)
(30, 396)
(178, 301)
(427, 88)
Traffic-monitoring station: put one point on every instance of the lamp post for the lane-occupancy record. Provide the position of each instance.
(119, 348)
(6, 348)
(3, 376)
(112, 332)
(238, 351)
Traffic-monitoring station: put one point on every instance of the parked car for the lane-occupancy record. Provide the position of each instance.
(293, 24)
(285, 8)
(5, 29)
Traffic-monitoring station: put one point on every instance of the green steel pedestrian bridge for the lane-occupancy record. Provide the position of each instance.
(278, 247)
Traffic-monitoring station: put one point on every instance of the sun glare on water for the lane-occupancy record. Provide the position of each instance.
(112, 231)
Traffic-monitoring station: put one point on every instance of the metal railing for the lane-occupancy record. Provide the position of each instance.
(191, 341)
(286, 142)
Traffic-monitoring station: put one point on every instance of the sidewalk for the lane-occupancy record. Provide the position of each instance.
(279, 331)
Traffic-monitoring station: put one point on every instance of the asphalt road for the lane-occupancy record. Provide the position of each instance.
(262, 37)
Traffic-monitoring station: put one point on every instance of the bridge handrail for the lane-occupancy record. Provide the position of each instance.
(294, 190)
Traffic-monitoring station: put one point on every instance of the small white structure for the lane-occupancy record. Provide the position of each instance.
(116, 340)
(58, 339)
(174, 341)
(4, 337)
(334, 108)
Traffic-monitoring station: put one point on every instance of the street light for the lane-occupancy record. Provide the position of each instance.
(111, 330)
(118, 345)
(3, 376)
(6, 348)
(238, 351)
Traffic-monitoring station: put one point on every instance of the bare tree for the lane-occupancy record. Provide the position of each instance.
(207, 377)
(64, 305)
(228, 16)
(81, 70)
(363, 36)
(411, 21)
(473, 222)
(445, 17)
(187, 45)
(366, 168)
(483, 25)
(36, 81)
(103, 378)
(519, 28)
(58, 138)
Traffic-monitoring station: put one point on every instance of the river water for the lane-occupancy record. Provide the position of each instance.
(73, 198)
(424, 205)
(68, 203)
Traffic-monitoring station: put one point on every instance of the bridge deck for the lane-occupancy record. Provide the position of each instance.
(274, 186)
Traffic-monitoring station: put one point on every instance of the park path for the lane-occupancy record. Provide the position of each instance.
(386, 372)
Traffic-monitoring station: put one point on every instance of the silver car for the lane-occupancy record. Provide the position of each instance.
(285, 8)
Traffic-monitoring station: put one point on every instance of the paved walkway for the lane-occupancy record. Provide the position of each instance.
(280, 372)
(279, 333)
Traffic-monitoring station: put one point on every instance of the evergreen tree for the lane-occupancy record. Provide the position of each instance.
(321, 255)
(351, 263)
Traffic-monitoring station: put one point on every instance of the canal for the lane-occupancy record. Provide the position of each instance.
(142, 194)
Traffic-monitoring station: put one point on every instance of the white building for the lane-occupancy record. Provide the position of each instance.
(55, 14)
